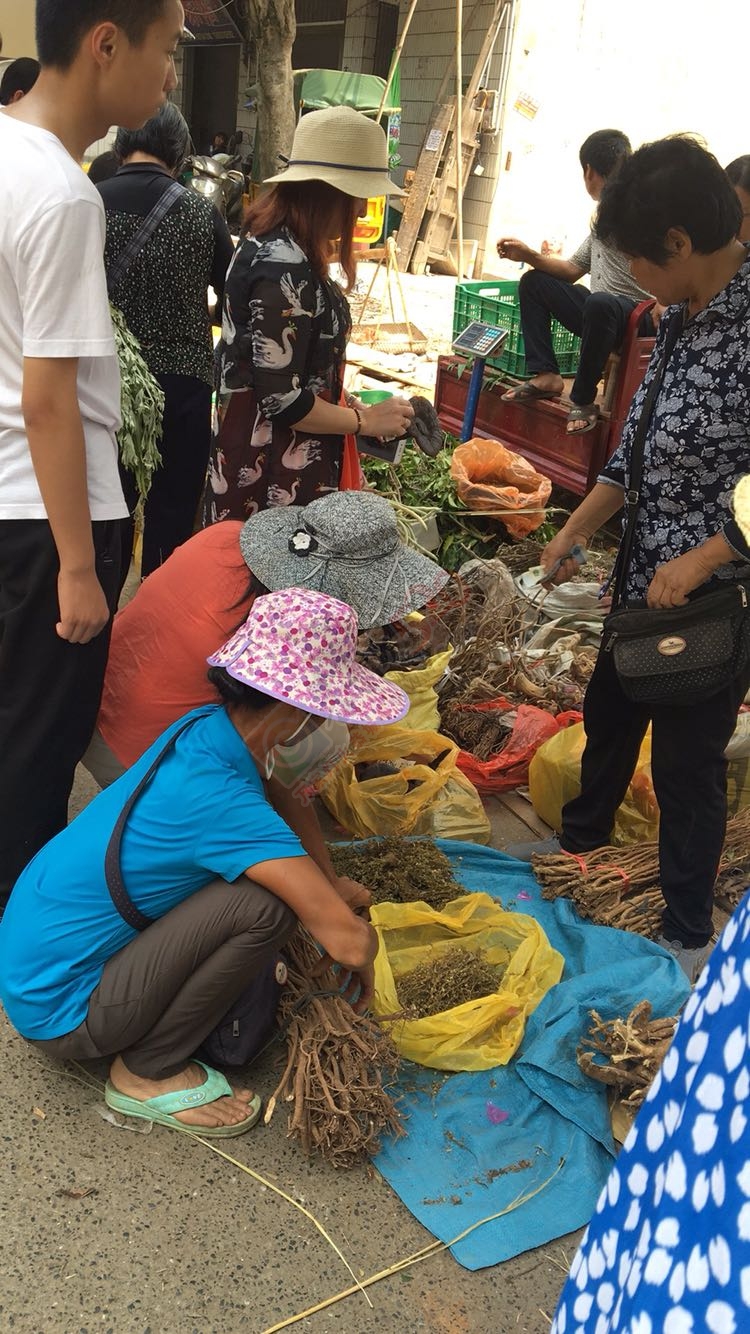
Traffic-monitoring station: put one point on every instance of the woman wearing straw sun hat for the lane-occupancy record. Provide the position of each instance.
(216, 877)
(282, 424)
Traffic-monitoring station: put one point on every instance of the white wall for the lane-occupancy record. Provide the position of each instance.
(648, 67)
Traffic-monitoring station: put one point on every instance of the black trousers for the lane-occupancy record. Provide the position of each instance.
(177, 486)
(597, 318)
(689, 773)
(49, 689)
(162, 994)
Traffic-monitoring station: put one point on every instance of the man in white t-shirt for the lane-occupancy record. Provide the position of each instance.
(104, 62)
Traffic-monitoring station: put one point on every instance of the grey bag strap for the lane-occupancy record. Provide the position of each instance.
(136, 244)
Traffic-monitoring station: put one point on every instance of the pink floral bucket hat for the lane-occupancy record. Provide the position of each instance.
(299, 646)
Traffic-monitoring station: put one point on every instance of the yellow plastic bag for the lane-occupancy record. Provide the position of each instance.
(419, 684)
(433, 802)
(479, 1034)
(555, 777)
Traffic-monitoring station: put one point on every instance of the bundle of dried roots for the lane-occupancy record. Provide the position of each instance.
(634, 1049)
(620, 886)
(611, 886)
(339, 1065)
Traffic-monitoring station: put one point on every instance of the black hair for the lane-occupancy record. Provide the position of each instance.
(673, 182)
(255, 589)
(231, 691)
(220, 135)
(739, 172)
(165, 136)
(19, 77)
(604, 150)
(61, 25)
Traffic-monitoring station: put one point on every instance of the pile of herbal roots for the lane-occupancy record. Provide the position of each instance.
(620, 886)
(633, 1049)
(338, 1069)
(499, 657)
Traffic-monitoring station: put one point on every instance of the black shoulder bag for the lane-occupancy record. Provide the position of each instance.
(677, 655)
(245, 1030)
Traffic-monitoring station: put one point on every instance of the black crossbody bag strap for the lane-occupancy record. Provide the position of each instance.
(136, 244)
(633, 489)
(112, 870)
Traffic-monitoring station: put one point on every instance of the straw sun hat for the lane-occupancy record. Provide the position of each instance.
(347, 545)
(343, 148)
(300, 647)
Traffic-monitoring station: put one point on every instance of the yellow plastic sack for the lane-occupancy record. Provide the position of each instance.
(555, 777)
(479, 1034)
(433, 802)
(419, 685)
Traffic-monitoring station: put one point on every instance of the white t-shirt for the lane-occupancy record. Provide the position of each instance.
(53, 303)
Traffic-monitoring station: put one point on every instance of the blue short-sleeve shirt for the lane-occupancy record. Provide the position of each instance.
(204, 814)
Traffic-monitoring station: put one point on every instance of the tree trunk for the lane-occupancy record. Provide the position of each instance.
(272, 27)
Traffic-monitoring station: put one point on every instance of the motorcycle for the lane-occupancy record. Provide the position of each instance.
(223, 183)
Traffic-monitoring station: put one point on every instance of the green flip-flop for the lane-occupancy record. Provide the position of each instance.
(162, 1108)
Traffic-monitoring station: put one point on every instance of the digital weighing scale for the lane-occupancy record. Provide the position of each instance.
(479, 341)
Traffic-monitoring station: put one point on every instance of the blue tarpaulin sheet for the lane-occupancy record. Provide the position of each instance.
(478, 1142)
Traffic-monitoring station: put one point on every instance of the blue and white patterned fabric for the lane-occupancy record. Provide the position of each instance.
(698, 442)
(668, 1248)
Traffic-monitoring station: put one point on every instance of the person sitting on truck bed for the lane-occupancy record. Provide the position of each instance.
(551, 287)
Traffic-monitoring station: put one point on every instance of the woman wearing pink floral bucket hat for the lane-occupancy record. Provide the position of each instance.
(143, 948)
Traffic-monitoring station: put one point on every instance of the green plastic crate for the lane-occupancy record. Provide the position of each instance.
(495, 302)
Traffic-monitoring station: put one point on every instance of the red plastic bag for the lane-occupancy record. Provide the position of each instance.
(509, 768)
(489, 476)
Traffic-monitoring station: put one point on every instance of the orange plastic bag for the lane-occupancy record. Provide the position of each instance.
(489, 476)
(509, 768)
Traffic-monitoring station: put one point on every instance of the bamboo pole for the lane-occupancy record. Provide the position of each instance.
(397, 56)
(459, 137)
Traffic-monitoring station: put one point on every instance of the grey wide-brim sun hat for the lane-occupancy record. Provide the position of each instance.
(343, 148)
(346, 545)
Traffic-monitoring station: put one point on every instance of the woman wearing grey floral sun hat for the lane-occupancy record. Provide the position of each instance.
(345, 545)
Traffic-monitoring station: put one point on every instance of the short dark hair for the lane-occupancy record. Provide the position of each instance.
(673, 182)
(61, 25)
(604, 150)
(19, 77)
(165, 136)
(231, 691)
(739, 172)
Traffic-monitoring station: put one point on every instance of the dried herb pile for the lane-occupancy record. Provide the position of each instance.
(338, 1069)
(634, 1049)
(399, 870)
(454, 978)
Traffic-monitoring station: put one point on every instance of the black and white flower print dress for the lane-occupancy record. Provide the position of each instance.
(284, 334)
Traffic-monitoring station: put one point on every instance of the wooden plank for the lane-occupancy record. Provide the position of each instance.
(425, 173)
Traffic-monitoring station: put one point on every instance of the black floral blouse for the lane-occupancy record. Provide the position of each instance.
(284, 335)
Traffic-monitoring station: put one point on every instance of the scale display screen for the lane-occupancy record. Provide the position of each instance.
(480, 340)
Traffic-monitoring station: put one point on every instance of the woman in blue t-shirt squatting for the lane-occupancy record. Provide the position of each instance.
(216, 877)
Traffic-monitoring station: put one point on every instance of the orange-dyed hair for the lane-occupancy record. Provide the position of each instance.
(306, 208)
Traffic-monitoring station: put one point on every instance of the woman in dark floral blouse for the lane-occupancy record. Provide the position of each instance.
(672, 209)
(282, 422)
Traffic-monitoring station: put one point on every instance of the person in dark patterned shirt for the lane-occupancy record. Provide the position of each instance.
(283, 426)
(673, 210)
(164, 298)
